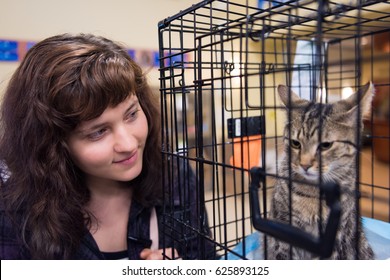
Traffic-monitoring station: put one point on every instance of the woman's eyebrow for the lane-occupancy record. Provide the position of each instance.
(92, 128)
(98, 125)
(133, 105)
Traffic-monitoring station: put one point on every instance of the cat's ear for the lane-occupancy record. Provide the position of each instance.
(296, 101)
(363, 98)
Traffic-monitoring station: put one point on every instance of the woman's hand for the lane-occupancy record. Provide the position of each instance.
(148, 254)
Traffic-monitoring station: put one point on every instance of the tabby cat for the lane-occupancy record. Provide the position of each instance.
(338, 123)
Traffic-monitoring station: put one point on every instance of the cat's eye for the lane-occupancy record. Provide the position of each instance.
(295, 144)
(325, 146)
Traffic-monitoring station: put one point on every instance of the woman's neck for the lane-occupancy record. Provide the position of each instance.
(108, 197)
(110, 205)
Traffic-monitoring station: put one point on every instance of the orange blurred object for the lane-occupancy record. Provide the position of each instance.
(250, 149)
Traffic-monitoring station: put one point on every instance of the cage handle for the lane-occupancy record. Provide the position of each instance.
(322, 245)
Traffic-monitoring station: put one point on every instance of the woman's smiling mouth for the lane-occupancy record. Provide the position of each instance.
(128, 160)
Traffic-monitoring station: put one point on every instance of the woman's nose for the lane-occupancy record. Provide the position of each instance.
(124, 140)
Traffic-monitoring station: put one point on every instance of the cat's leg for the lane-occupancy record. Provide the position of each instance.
(366, 252)
(345, 244)
(276, 249)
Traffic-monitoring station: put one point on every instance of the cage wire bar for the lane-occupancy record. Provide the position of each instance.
(220, 64)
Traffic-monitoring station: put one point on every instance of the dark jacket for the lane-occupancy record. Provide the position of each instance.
(179, 223)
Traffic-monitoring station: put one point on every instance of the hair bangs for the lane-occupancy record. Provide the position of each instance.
(99, 85)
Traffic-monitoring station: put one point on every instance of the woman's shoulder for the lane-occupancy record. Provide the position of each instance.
(180, 181)
(182, 172)
(10, 242)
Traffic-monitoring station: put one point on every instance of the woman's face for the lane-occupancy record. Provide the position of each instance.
(111, 146)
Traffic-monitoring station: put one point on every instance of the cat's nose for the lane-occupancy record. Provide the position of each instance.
(305, 166)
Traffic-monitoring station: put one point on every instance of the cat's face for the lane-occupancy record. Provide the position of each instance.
(322, 138)
(317, 141)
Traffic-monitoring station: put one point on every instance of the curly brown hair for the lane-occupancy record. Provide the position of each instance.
(62, 81)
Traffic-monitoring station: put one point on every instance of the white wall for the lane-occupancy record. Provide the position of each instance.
(133, 22)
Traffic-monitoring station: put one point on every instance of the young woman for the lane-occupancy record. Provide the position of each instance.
(81, 156)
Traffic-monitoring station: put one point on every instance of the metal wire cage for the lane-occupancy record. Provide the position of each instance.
(220, 64)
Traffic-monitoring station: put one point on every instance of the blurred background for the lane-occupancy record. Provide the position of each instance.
(131, 22)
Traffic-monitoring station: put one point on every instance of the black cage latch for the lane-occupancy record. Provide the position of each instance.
(322, 245)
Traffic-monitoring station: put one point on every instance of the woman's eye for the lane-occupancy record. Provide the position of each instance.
(97, 134)
(295, 144)
(132, 115)
(325, 146)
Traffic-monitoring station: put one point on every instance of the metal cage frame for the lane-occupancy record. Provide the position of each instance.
(220, 63)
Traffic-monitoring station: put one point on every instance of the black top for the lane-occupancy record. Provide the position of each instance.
(179, 225)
